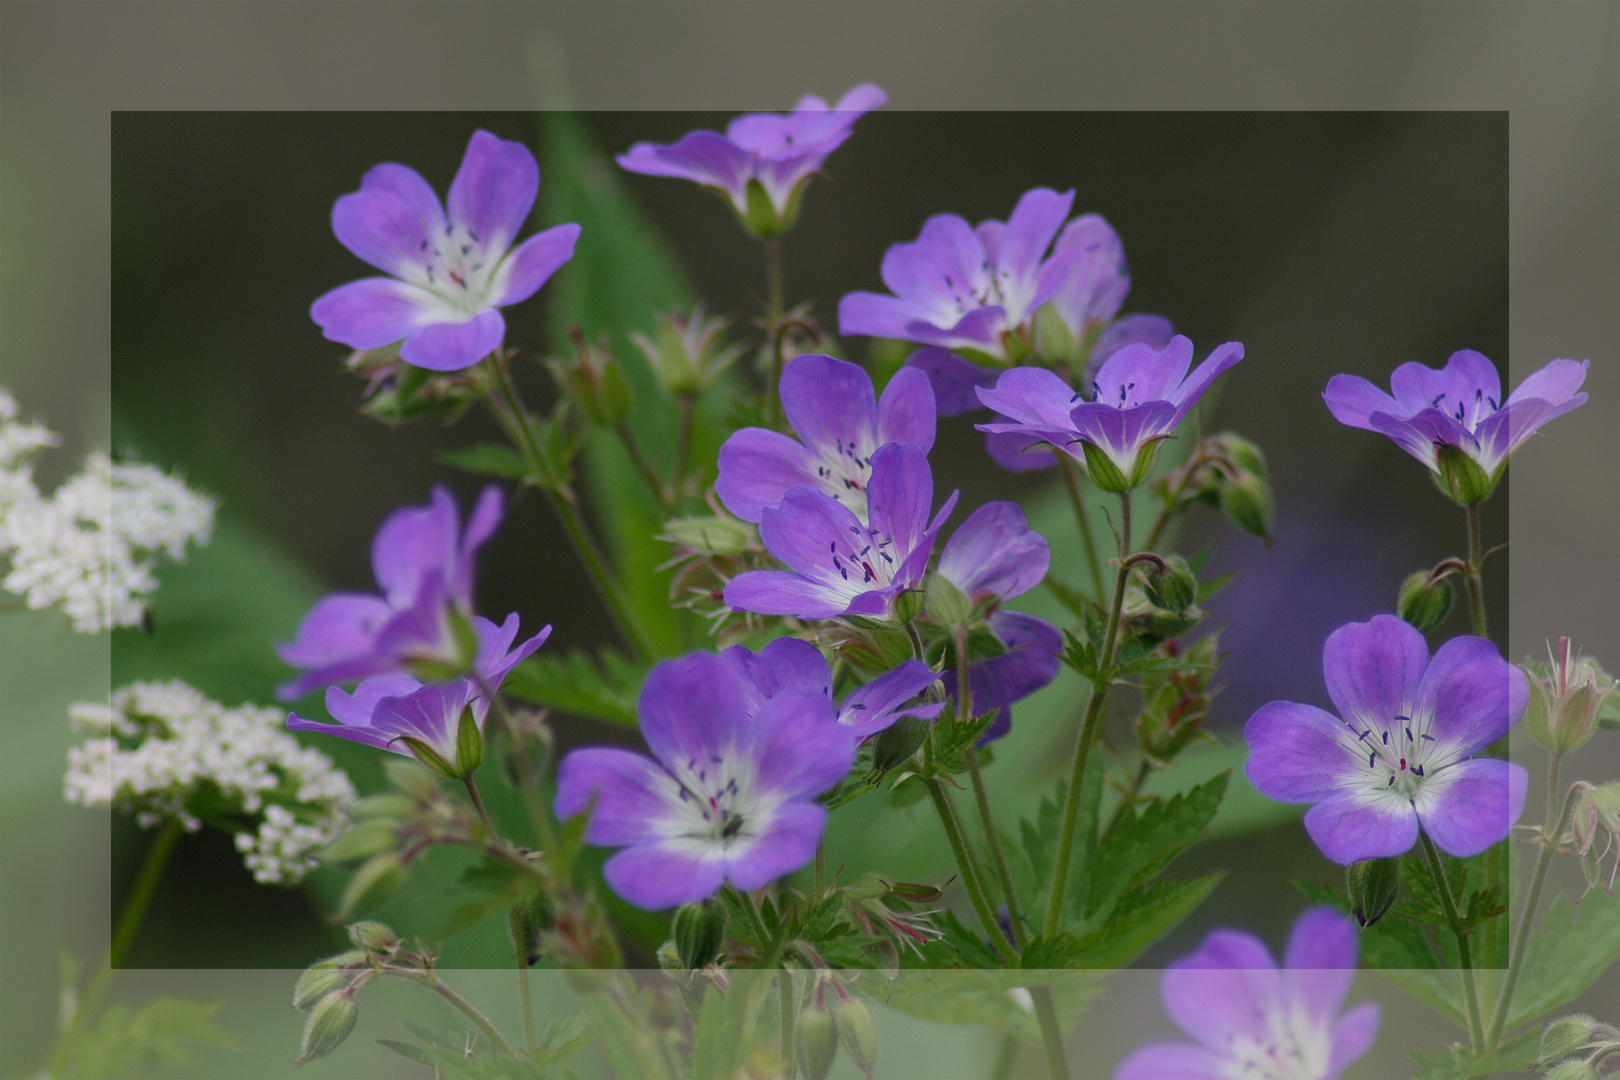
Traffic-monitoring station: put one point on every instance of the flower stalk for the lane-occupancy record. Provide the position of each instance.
(1476, 1029)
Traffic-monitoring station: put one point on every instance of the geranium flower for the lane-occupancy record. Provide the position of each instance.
(840, 564)
(1251, 1020)
(1456, 417)
(795, 664)
(449, 272)
(1139, 397)
(730, 796)
(763, 161)
(840, 422)
(1402, 756)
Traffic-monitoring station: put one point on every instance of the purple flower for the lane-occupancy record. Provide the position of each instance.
(840, 564)
(1030, 662)
(795, 664)
(449, 271)
(840, 423)
(1139, 396)
(1456, 418)
(969, 289)
(389, 711)
(1402, 756)
(763, 161)
(730, 796)
(425, 570)
(1251, 1020)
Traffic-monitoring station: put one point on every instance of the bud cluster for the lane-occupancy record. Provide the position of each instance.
(1228, 471)
(1175, 701)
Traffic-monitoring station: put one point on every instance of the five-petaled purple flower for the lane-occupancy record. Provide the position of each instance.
(842, 565)
(1402, 754)
(392, 710)
(840, 423)
(450, 270)
(794, 664)
(1457, 415)
(426, 572)
(1139, 396)
(1251, 1020)
(731, 796)
(763, 161)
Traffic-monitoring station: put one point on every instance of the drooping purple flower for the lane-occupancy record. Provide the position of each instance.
(963, 288)
(1252, 1020)
(1400, 755)
(450, 271)
(795, 664)
(840, 422)
(1139, 397)
(771, 154)
(1029, 663)
(425, 569)
(730, 796)
(841, 565)
(386, 710)
(1457, 414)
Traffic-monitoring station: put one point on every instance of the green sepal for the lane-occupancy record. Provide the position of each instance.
(469, 743)
(430, 758)
(761, 218)
(1102, 470)
(1461, 477)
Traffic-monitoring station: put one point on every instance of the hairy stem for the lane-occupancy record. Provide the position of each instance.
(965, 863)
(472, 1013)
(773, 319)
(478, 804)
(1476, 1030)
(1082, 521)
(964, 696)
(520, 950)
(654, 485)
(1129, 797)
(784, 997)
(1475, 575)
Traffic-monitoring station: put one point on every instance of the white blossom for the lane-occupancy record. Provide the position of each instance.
(163, 750)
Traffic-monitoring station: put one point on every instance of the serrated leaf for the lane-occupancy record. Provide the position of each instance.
(1207, 589)
(564, 1037)
(1033, 871)
(603, 688)
(1057, 951)
(415, 1053)
(1569, 951)
(486, 459)
(1143, 916)
(730, 1027)
(162, 1031)
(996, 998)
(1140, 845)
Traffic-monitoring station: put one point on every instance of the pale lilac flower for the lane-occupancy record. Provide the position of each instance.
(1139, 397)
(1029, 663)
(1252, 1021)
(968, 289)
(730, 796)
(841, 565)
(795, 664)
(1460, 407)
(425, 569)
(840, 422)
(449, 271)
(1402, 756)
(763, 153)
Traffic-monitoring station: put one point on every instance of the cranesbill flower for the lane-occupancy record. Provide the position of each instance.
(730, 796)
(795, 664)
(966, 289)
(1251, 1020)
(1455, 420)
(426, 573)
(840, 564)
(763, 162)
(450, 271)
(1400, 753)
(830, 404)
(1139, 397)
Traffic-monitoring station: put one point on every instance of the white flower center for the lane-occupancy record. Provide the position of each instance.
(461, 273)
(844, 474)
(1468, 413)
(714, 804)
(1294, 1047)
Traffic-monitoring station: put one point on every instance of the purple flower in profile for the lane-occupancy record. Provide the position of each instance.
(1029, 663)
(795, 664)
(830, 404)
(730, 796)
(1455, 420)
(763, 161)
(1139, 397)
(1402, 756)
(966, 289)
(449, 271)
(1251, 1020)
(841, 565)
(426, 571)
(393, 710)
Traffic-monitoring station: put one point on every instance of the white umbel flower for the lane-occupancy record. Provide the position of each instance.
(163, 750)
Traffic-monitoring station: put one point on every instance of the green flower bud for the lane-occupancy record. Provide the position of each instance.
(373, 936)
(668, 958)
(859, 1032)
(1373, 885)
(1573, 1069)
(947, 605)
(593, 382)
(717, 535)
(1564, 1036)
(896, 743)
(376, 882)
(1174, 587)
(1566, 697)
(684, 352)
(1422, 602)
(700, 932)
(869, 886)
(816, 1042)
(1461, 477)
(323, 977)
(1243, 454)
(329, 1023)
(361, 842)
(1246, 501)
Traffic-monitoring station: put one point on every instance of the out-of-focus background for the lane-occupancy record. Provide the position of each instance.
(1325, 241)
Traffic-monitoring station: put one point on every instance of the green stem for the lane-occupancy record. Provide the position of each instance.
(773, 319)
(964, 862)
(1475, 575)
(655, 486)
(964, 691)
(539, 815)
(1522, 940)
(1057, 1063)
(1088, 728)
(1006, 1057)
(475, 1016)
(821, 868)
(478, 804)
(1476, 1030)
(1082, 521)
(514, 919)
(784, 995)
(757, 922)
(1129, 797)
(687, 407)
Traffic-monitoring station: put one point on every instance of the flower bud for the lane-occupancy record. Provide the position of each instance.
(329, 1023)
(720, 534)
(817, 1042)
(1461, 477)
(869, 886)
(896, 743)
(1244, 455)
(323, 977)
(1565, 699)
(375, 882)
(1424, 602)
(684, 352)
(593, 382)
(947, 605)
(1373, 885)
(1564, 1036)
(1573, 1069)
(372, 936)
(1171, 585)
(913, 893)
(668, 958)
(700, 932)
(1246, 501)
(858, 1031)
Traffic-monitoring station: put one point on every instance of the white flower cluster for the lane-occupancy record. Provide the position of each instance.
(93, 544)
(163, 750)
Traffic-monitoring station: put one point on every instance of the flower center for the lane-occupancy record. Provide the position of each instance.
(716, 802)
(865, 561)
(1293, 1048)
(1398, 753)
(1465, 412)
(844, 474)
(1120, 397)
(458, 268)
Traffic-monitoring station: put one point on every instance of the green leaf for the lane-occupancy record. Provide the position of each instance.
(1035, 861)
(989, 997)
(604, 688)
(162, 1031)
(1140, 845)
(730, 1026)
(415, 1053)
(1142, 917)
(565, 1037)
(486, 459)
(1568, 953)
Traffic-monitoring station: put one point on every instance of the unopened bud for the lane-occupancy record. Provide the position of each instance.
(329, 1023)
(700, 932)
(1461, 477)
(896, 743)
(1424, 602)
(1373, 885)
(859, 1032)
(1171, 585)
(1566, 697)
(1244, 455)
(323, 977)
(372, 935)
(947, 605)
(817, 1042)
(593, 382)
(720, 534)
(1573, 1069)
(913, 893)
(1246, 501)
(1564, 1036)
